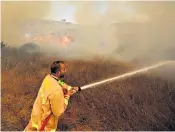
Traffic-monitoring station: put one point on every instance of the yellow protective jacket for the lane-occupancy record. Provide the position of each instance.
(50, 100)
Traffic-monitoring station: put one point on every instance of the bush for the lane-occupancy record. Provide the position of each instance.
(3, 45)
(29, 47)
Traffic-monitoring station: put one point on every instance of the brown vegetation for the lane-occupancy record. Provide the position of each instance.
(141, 102)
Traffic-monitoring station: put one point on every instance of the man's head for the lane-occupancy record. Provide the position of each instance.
(58, 69)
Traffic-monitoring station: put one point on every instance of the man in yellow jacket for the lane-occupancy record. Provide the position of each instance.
(51, 101)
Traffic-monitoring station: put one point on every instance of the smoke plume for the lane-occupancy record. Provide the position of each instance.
(130, 30)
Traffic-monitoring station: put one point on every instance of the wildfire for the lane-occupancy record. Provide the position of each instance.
(63, 40)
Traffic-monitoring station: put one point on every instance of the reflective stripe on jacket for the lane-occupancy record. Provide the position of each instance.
(69, 88)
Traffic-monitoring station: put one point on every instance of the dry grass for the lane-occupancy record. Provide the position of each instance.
(142, 102)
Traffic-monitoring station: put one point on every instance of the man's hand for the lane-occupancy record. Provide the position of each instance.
(77, 88)
(71, 91)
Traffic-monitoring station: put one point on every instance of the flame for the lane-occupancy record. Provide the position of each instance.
(64, 40)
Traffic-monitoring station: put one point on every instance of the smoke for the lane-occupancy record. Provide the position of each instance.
(154, 39)
(128, 30)
(14, 13)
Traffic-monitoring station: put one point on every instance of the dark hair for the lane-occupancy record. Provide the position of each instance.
(56, 66)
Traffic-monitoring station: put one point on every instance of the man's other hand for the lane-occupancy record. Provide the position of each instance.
(77, 88)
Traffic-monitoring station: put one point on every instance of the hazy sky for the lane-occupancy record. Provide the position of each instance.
(94, 11)
(66, 10)
(61, 10)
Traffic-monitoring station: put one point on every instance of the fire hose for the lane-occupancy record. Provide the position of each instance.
(45, 122)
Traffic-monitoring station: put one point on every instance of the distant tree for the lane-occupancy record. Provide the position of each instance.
(63, 20)
(29, 47)
(3, 45)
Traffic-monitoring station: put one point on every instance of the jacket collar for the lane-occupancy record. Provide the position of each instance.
(56, 78)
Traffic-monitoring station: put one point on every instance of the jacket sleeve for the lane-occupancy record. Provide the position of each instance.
(71, 89)
(57, 103)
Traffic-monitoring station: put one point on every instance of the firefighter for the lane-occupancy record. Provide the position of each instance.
(51, 101)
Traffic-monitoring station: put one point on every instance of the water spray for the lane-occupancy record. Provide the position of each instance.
(127, 74)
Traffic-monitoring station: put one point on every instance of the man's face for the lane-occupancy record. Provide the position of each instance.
(63, 70)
